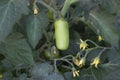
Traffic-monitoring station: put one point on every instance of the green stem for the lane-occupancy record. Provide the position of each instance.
(67, 67)
(56, 70)
(78, 54)
(65, 61)
(73, 1)
(101, 52)
(65, 7)
(34, 3)
(42, 48)
(46, 36)
(86, 54)
(92, 42)
(47, 6)
(67, 56)
(90, 49)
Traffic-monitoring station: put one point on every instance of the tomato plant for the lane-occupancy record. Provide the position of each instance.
(59, 39)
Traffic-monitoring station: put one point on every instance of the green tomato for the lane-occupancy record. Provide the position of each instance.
(50, 15)
(51, 54)
(61, 34)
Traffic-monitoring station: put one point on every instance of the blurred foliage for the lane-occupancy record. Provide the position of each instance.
(26, 31)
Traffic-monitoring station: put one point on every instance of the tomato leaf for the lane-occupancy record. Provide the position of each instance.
(113, 6)
(108, 71)
(54, 76)
(22, 77)
(7, 76)
(35, 27)
(118, 24)
(10, 12)
(105, 23)
(41, 70)
(16, 50)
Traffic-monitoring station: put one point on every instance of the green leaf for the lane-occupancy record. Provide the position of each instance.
(84, 74)
(86, 77)
(6, 65)
(41, 70)
(7, 76)
(108, 71)
(112, 53)
(105, 24)
(69, 76)
(113, 6)
(10, 12)
(22, 77)
(75, 12)
(16, 50)
(35, 27)
(54, 76)
(94, 53)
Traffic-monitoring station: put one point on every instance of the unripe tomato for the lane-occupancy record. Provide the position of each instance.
(51, 54)
(50, 15)
(61, 34)
(47, 54)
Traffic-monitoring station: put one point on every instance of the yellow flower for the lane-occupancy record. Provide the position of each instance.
(35, 11)
(76, 62)
(83, 44)
(82, 62)
(96, 61)
(100, 38)
(75, 73)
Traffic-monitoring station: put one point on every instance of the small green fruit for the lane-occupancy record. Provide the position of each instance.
(61, 34)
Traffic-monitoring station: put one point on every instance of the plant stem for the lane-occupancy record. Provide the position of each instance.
(46, 35)
(78, 54)
(73, 1)
(67, 67)
(101, 52)
(86, 54)
(90, 49)
(65, 61)
(34, 3)
(56, 70)
(65, 7)
(47, 6)
(92, 42)
(67, 56)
